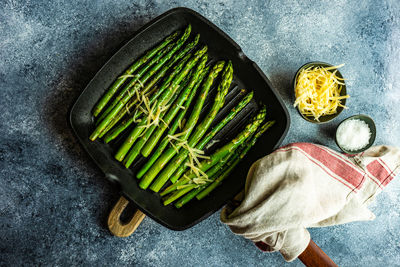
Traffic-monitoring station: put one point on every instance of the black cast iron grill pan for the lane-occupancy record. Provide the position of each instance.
(246, 75)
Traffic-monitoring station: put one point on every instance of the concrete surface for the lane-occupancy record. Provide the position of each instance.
(54, 201)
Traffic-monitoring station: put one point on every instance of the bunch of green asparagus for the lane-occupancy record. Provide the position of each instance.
(151, 100)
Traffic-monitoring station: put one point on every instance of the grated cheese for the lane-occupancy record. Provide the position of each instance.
(181, 123)
(194, 155)
(172, 138)
(140, 83)
(318, 90)
(197, 171)
(137, 96)
(127, 109)
(126, 76)
(211, 143)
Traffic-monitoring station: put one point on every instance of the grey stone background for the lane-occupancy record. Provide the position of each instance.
(54, 201)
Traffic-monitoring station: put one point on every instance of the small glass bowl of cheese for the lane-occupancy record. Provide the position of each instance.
(320, 92)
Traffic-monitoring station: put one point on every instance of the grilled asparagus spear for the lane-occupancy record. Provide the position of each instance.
(177, 123)
(200, 130)
(121, 80)
(162, 101)
(189, 126)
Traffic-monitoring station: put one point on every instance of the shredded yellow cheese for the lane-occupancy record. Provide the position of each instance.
(126, 76)
(176, 136)
(172, 138)
(181, 123)
(138, 98)
(318, 90)
(140, 83)
(135, 115)
(196, 170)
(201, 180)
(211, 143)
(194, 155)
(127, 109)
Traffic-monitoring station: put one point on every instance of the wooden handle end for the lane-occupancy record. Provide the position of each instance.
(115, 225)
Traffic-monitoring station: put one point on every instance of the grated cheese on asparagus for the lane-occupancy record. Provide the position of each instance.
(194, 154)
(127, 109)
(126, 76)
(181, 123)
(172, 138)
(138, 98)
(140, 83)
(201, 181)
(176, 136)
(211, 143)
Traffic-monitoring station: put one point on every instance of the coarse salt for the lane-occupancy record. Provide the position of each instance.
(353, 134)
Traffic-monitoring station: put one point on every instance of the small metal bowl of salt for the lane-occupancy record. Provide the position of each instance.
(356, 134)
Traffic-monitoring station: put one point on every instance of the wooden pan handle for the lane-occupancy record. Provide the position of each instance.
(313, 256)
(115, 225)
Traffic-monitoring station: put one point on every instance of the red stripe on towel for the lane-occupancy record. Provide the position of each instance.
(376, 169)
(316, 163)
(339, 166)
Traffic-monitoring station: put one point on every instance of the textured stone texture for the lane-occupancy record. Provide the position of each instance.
(54, 201)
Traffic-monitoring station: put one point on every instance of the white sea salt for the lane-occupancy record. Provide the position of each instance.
(353, 134)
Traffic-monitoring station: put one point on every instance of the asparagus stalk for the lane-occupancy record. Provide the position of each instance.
(150, 84)
(221, 152)
(130, 91)
(189, 126)
(200, 130)
(189, 196)
(235, 143)
(204, 141)
(121, 80)
(225, 173)
(126, 123)
(177, 194)
(153, 140)
(135, 78)
(135, 151)
(212, 175)
(133, 103)
(165, 68)
(177, 122)
(164, 98)
(171, 49)
(222, 170)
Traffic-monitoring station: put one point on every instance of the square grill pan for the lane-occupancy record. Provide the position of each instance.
(246, 75)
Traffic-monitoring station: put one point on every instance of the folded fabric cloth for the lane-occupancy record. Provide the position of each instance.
(305, 185)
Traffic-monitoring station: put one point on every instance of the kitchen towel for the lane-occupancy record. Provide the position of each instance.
(306, 185)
